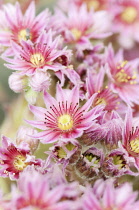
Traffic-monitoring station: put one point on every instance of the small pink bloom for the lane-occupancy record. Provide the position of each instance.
(95, 84)
(104, 195)
(91, 4)
(112, 130)
(107, 130)
(21, 27)
(80, 25)
(123, 76)
(14, 159)
(42, 55)
(92, 135)
(131, 137)
(125, 19)
(63, 118)
(47, 195)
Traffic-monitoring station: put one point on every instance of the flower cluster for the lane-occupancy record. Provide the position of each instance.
(70, 140)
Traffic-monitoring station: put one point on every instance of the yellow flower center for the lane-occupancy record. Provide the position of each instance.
(129, 14)
(135, 145)
(65, 122)
(24, 34)
(19, 162)
(123, 77)
(37, 59)
(76, 33)
(92, 4)
(100, 101)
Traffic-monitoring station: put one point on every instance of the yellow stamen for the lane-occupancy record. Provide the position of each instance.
(123, 63)
(65, 122)
(135, 145)
(19, 162)
(100, 101)
(37, 59)
(24, 34)
(122, 76)
(76, 33)
(129, 14)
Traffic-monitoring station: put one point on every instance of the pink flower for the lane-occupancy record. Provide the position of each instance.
(112, 130)
(104, 195)
(14, 159)
(91, 4)
(92, 135)
(131, 137)
(123, 76)
(21, 27)
(80, 26)
(63, 118)
(105, 96)
(125, 18)
(47, 196)
(41, 55)
(108, 131)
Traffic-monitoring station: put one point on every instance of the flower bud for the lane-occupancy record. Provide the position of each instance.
(40, 81)
(17, 82)
(68, 152)
(117, 164)
(89, 164)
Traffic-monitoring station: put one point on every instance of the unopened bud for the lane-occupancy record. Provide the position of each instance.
(40, 81)
(89, 164)
(17, 82)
